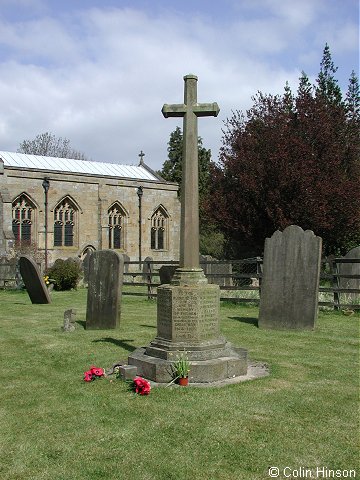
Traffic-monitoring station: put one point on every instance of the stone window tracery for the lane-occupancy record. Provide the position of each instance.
(159, 222)
(23, 212)
(116, 226)
(64, 224)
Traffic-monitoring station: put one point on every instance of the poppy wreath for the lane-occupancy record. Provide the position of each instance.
(93, 374)
(141, 386)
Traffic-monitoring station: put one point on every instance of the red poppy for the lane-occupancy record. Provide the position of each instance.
(142, 386)
(98, 372)
(88, 376)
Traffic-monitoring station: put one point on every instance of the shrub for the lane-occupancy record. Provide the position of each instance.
(65, 273)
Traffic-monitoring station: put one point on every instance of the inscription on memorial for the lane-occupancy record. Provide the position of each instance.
(188, 313)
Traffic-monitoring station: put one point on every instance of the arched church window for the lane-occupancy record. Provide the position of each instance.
(159, 222)
(64, 224)
(116, 226)
(23, 211)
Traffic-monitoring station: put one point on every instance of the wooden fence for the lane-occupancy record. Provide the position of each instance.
(242, 284)
(246, 277)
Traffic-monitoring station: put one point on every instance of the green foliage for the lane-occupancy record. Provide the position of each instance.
(172, 168)
(327, 85)
(181, 366)
(211, 239)
(65, 273)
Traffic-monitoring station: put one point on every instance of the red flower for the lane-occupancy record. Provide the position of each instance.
(98, 372)
(88, 376)
(142, 386)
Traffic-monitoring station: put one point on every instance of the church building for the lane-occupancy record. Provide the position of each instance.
(66, 208)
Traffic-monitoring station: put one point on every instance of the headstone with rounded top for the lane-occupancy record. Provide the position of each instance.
(106, 269)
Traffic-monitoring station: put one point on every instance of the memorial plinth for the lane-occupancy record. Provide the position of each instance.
(188, 320)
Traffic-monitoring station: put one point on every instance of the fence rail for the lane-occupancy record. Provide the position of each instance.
(241, 283)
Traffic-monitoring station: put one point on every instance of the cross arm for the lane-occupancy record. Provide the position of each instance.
(177, 110)
(206, 109)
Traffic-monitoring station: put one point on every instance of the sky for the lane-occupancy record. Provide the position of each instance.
(99, 71)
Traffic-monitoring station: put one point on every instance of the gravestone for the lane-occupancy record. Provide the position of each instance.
(147, 269)
(350, 269)
(85, 265)
(69, 320)
(166, 273)
(188, 307)
(33, 281)
(126, 259)
(290, 282)
(7, 271)
(106, 269)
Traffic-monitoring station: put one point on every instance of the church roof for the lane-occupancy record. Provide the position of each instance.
(68, 165)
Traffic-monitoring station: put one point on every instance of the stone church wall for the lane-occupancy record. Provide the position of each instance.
(92, 197)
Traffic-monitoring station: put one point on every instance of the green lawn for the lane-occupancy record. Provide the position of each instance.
(55, 426)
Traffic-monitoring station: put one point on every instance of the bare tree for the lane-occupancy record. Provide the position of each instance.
(50, 146)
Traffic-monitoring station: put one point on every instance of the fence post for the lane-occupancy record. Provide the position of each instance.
(149, 279)
(335, 282)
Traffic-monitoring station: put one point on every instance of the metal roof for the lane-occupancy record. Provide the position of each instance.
(39, 162)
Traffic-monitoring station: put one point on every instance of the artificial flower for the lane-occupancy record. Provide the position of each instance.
(142, 386)
(88, 376)
(98, 372)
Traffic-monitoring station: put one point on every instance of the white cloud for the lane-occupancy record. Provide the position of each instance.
(101, 76)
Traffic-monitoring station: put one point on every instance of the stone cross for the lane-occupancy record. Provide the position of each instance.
(190, 110)
(141, 155)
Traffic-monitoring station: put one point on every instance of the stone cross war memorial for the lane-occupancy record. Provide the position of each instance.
(188, 307)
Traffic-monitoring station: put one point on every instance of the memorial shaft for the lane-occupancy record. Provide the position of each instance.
(190, 110)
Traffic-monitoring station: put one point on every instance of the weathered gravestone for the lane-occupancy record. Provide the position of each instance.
(350, 270)
(188, 308)
(126, 259)
(69, 320)
(166, 273)
(33, 281)
(147, 269)
(7, 271)
(86, 265)
(106, 270)
(290, 282)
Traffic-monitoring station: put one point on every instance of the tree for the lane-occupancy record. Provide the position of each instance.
(290, 160)
(48, 145)
(211, 240)
(172, 167)
(327, 85)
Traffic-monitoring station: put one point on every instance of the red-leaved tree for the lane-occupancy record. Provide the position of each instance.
(293, 159)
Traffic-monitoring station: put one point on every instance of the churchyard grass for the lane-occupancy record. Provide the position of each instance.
(56, 426)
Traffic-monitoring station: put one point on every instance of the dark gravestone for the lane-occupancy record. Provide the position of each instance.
(33, 281)
(166, 273)
(86, 263)
(106, 269)
(350, 269)
(290, 283)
